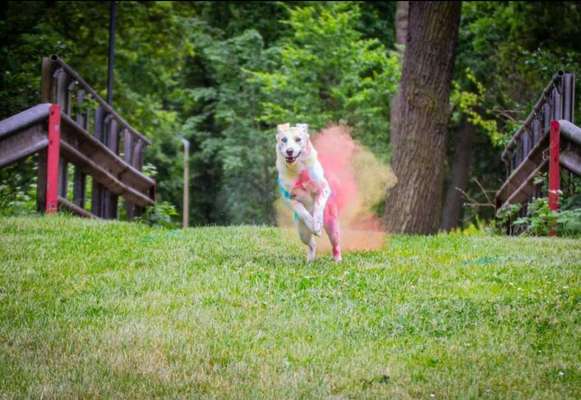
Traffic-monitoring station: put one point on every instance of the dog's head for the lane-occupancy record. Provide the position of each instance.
(292, 141)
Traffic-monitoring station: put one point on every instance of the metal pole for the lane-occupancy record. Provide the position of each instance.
(186, 202)
(112, 20)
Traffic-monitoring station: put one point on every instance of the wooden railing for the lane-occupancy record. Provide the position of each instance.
(547, 140)
(88, 135)
(556, 102)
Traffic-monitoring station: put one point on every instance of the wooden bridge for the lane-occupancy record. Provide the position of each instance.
(548, 141)
(78, 135)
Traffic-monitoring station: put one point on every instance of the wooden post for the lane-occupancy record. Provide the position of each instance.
(137, 163)
(80, 178)
(554, 169)
(52, 167)
(127, 156)
(97, 198)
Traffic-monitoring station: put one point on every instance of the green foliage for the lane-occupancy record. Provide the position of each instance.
(222, 74)
(17, 191)
(569, 222)
(330, 73)
(513, 49)
(326, 72)
(505, 216)
(468, 103)
(162, 214)
(17, 200)
(540, 220)
(227, 133)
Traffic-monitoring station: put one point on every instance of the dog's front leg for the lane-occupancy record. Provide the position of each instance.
(303, 214)
(319, 207)
(307, 238)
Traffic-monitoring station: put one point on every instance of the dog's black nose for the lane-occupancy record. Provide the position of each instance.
(289, 152)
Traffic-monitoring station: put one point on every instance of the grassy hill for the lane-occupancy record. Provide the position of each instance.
(114, 310)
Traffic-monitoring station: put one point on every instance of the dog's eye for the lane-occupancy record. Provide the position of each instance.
(284, 140)
(298, 140)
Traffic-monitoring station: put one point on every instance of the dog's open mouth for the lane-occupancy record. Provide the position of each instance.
(292, 159)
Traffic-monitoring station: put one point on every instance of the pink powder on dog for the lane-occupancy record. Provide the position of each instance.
(358, 182)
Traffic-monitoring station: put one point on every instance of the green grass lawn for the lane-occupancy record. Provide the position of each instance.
(93, 309)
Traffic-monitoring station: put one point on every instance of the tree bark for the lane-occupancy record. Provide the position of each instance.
(401, 30)
(461, 165)
(414, 205)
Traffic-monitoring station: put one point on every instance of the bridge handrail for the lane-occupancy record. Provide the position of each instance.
(555, 103)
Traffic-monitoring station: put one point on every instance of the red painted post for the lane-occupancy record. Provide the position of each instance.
(554, 169)
(53, 157)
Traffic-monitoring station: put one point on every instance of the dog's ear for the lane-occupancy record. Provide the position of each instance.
(304, 128)
(281, 129)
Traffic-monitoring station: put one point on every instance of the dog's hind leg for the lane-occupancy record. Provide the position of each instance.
(333, 231)
(308, 239)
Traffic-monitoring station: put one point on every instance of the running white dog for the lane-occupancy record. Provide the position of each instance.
(305, 187)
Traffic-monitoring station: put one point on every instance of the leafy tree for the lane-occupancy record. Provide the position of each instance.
(227, 132)
(325, 72)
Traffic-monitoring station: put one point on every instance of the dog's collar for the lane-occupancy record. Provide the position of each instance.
(285, 193)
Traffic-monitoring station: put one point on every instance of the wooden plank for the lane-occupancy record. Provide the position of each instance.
(111, 199)
(137, 161)
(101, 175)
(74, 75)
(81, 116)
(549, 97)
(80, 179)
(570, 132)
(63, 177)
(525, 189)
(127, 155)
(519, 174)
(72, 207)
(96, 197)
(69, 96)
(571, 160)
(41, 180)
(102, 155)
(105, 194)
(24, 143)
(113, 137)
(79, 184)
(97, 192)
(61, 88)
(17, 122)
(127, 146)
(46, 80)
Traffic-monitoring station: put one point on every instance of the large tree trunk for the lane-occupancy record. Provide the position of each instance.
(461, 164)
(414, 205)
(401, 30)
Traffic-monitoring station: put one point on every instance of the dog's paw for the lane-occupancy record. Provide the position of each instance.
(317, 226)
